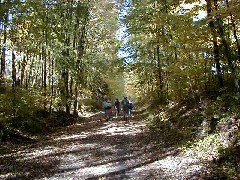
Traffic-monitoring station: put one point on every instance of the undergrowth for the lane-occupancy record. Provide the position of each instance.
(22, 112)
(207, 129)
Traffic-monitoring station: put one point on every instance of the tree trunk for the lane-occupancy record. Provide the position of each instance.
(234, 32)
(45, 78)
(159, 71)
(75, 111)
(30, 74)
(80, 45)
(175, 53)
(14, 76)
(23, 66)
(215, 44)
(70, 93)
(65, 76)
(80, 35)
(45, 61)
(42, 68)
(26, 73)
(227, 50)
(52, 82)
(3, 58)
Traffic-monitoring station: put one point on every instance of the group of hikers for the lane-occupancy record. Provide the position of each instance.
(126, 105)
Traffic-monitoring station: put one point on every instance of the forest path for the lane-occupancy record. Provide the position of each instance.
(98, 149)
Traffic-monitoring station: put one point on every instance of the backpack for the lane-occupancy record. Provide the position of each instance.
(125, 103)
(130, 106)
(107, 105)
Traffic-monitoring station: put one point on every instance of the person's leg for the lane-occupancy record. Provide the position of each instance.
(125, 114)
(110, 114)
(105, 113)
(116, 112)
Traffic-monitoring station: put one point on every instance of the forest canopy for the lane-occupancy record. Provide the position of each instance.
(64, 55)
(177, 60)
(56, 56)
(61, 49)
(184, 48)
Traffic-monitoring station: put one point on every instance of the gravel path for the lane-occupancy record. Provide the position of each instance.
(98, 149)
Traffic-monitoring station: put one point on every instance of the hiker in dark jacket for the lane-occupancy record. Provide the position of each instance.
(125, 107)
(117, 107)
(130, 107)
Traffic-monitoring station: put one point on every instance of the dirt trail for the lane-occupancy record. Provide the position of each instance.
(98, 149)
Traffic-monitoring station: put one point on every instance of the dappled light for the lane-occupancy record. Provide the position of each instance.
(37, 153)
(75, 136)
(97, 148)
(111, 89)
(121, 129)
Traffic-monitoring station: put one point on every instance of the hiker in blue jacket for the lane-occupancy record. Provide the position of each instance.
(107, 107)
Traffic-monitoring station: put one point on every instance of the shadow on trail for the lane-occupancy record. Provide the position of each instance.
(90, 150)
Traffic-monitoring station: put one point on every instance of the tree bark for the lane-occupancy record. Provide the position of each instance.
(4, 49)
(65, 76)
(75, 111)
(52, 83)
(215, 44)
(227, 50)
(159, 71)
(23, 66)
(45, 35)
(234, 32)
(14, 76)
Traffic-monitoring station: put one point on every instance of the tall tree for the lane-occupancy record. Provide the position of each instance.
(215, 43)
(233, 22)
(5, 8)
(227, 50)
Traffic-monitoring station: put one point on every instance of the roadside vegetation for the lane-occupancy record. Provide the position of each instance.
(181, 70)
(207, 129)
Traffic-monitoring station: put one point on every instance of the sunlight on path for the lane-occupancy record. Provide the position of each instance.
(176, 167)
(88, 114)
(75, 136)
(103, 158)
(121, 128)
(37, 153)
(110, 150)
